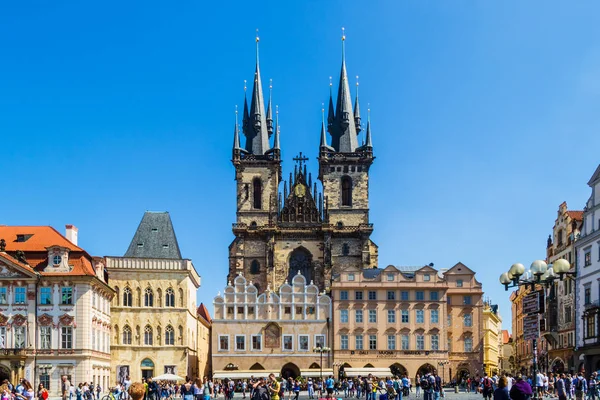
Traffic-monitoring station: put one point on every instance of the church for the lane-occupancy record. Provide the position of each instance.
(285, 227)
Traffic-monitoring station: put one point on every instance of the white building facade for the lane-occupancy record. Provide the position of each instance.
(588, 282)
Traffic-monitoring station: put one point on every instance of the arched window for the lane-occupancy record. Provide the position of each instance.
(169, 336)
(181, 300)
(256, 193)
(170, 298)
(255, 267)
(126, 335)
(346, 191)
(345, 249)
(127, 297)
(148, 298)
(117, 296)
(158, 297)
(148, 335)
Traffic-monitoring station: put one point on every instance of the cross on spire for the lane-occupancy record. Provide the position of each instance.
(300, 160)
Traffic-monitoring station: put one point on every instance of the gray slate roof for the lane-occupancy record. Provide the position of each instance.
(154, 238)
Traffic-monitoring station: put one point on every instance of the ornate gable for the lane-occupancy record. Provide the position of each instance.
(300, 206)
(13, 270)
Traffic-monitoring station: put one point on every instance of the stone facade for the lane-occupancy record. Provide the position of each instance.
(54, 309)
(256, 334)
(560, 300)
(408, 320)
(587, 290)
(155, 325)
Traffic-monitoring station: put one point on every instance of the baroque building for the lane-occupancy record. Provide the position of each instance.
(282, 231)
(560, 299)
(492, 338)
(587, 290)
(54, 309)
(155, 324)
(274, 332)
(408, 320)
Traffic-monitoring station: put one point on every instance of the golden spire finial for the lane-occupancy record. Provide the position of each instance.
(257, 38)
(356, 80)
(245, 88)
(330, 83)
(343, 34)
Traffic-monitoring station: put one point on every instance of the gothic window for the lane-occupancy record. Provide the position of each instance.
(127, 297)
(257, 193)
(255, 267)
(126, 334)
(300, 261)
(148, 298)
(560, 237)
(345, 249)
(148, 335)
(169, 336)
(170, 298)
(346, 191)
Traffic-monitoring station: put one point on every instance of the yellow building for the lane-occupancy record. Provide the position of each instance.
(155, 326)
(492, 327)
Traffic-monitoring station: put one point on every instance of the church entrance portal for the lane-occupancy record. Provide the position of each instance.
(300, 261)
(290, 370)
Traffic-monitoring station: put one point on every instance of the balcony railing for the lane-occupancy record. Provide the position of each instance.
(13, 352)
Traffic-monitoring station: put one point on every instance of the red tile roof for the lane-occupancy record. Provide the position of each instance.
(577, 215)
(11, 259)
(37, 240)
(505, 336)
(203, 312)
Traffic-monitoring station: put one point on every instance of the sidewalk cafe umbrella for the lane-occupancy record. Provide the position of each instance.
(168, 377)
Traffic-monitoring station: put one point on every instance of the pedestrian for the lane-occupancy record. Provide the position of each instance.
(501, 392)
(561, 387)
(487, 387)
(42, 392)
(580, 387)
(521, 389)
(65, 387)
(275, 387)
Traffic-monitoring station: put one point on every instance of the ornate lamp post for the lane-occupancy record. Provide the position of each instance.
(321, 349)
(539, 273)
(443, 364)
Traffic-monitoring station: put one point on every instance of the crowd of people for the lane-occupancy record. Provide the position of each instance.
(428, 386)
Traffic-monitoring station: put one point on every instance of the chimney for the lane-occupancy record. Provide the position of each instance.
(71, 233)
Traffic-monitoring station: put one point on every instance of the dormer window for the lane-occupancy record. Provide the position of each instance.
(56, 260)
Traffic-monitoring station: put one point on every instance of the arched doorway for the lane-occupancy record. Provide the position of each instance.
(4, 373)
(147, 367)
(462, 374)
(300, 261)
(425, 369)
(398, 370)
(558, 366)
(290, 370)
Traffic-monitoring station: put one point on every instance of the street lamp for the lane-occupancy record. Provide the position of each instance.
(539, 273)
(443, 364)
(321, 349)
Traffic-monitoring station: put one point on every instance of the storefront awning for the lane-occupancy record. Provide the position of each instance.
(244, 374)
(316, 373)
(379, 372)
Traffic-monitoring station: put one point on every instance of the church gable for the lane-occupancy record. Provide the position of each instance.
(300, 205)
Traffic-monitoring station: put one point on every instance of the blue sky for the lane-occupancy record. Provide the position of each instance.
(484, 116)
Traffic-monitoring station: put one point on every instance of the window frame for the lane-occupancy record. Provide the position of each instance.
(420, 342)
(344, 316)
(243, 342)
(372, 342)
(358, 313)
(66, 337)
(419, 316)
(66, 292)
(45, 337)
(359, 342)
(22, 293)
(307, 343)
(435, 313)
(283, 342)
(48, 295)
(220, 343)
(344, 343)
(252, 347)
(372, 316)
(393, 342)
(392, 314)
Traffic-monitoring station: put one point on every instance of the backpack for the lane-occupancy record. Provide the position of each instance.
(425, 383)
(487, 383)
(579, 385)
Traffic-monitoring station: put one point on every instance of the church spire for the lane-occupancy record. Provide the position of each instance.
(330, 112)
(369, 143)
(236, 133)
(257, 137)
(357, 110)
(276, 140)
(344, 133)
(270, 109)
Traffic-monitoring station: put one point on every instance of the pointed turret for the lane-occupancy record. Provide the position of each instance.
(270, 110)
(369, 143)
(236, 133)
(330, 112)
(343, 129)
(257, 136)
(357, 111)
(245, 116)
(276, 146)
(323, 146)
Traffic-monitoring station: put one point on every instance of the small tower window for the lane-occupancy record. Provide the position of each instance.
(255, 267)
(257, 193)
(345, 249)
(346, 191)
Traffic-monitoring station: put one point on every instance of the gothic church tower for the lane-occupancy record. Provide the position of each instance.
(282, 232)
